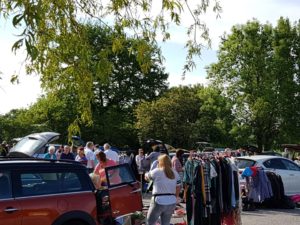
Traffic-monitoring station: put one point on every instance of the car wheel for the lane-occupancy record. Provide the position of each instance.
(75, 222)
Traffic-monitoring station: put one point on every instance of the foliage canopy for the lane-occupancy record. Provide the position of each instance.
(258, 69)
(55, 38)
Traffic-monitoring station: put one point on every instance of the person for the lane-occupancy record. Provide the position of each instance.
(51, 153)
(297, 160)
(96, 147)
(286, 153)
(110, 154)
(80, 157)
(59, 151)
(66, 154)
(153, 155)
(99, 170)
(3, 148)
(177, 161)
(88, 151)
(138, 159)
(166, 187)
(227, 153)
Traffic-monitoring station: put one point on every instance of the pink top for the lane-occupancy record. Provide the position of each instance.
(176, 164)
(100, 170)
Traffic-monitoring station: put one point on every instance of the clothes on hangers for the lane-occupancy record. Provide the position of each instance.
(211, 190)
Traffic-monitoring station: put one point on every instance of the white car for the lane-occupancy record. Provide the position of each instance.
(287, 169)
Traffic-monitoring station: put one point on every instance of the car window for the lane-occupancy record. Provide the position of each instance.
(243, 163)
(28, 143)
(274, 164)
(45, 183)
(5, 185)
(119, 175)
(290, 166)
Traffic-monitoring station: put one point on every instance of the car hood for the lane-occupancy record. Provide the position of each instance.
(32, 144)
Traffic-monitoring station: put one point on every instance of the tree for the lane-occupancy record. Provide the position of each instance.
(46, 25)
(113, 98)
(185, 115)
(214, 121)
(258, 69)
(13, 125)
(171, 117)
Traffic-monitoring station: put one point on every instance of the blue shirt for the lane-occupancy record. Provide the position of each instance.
(49, 156)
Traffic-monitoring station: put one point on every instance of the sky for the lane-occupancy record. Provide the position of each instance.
(234, 12)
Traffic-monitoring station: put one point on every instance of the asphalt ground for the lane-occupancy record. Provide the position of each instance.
(256, 217)
(272, 217)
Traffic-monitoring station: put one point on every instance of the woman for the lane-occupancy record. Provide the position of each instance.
(99, 170)
(81, 156)
(51, 153)
(166, 187)
(177, 161)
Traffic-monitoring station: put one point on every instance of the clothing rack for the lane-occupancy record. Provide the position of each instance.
(211, 190)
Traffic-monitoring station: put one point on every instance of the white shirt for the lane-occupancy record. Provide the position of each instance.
(162, 184)
(90, 156)
(112, 155)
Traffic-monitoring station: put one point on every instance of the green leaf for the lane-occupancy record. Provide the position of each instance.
(16, 19)
(17, 45)
(14, 78)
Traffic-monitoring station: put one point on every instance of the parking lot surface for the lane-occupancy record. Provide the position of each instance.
(272, 217)
(257, 217)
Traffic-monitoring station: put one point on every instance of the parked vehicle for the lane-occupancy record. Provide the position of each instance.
(50, 192)
(149, 143)
(36, 145)
(287, 169)
(293, 150)
(202, 146)
(269, 153)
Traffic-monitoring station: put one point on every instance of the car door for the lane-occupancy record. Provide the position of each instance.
(46, 194)
(124, 191)
(276, 165)
(294, 173)
(10, 211)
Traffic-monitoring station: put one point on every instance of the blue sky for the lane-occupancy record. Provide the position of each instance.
(234, 12)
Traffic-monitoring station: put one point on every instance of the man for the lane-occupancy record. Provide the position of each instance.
(89, 154)
(67, 154)
(110, 154)
(153, 155)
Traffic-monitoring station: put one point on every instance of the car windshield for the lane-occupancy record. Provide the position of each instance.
(243, 163)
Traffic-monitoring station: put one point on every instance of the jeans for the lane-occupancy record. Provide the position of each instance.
(163, 211)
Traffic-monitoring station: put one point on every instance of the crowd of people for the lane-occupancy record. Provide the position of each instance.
(156, 168)
(161, 173)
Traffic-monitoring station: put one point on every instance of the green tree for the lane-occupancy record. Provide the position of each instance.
(258, 69)
(113, 98)
(214, 121)
(185, 115)
(14, 125)
(47, 25)
(171, 117)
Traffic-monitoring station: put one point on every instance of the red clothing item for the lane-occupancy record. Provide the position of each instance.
(254, 170)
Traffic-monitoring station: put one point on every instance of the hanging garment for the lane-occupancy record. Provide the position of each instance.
(188, 180)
